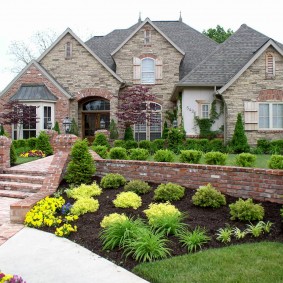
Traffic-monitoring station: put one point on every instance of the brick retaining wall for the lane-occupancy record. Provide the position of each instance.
(259, 184)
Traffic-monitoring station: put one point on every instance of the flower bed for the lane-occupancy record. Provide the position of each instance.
(33, 153)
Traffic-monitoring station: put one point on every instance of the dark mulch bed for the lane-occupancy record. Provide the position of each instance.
(212, 219)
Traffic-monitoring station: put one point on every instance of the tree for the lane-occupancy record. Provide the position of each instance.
(113, 130)
(56, 128)
(74, 128)
(218, 34)
(43, 143)
(133, 108)
(23, 52)
(239, 142)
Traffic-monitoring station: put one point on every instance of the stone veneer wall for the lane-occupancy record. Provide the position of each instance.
(249, 87)
(260, 184)
(159, 48)
(5, 144)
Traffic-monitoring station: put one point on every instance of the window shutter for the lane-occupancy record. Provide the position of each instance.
(158, 69)
(136, 68)
(251, 115)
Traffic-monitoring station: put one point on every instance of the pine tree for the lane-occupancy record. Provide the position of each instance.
(239, 142)
(43, 143)
(81, 167)
(113, 130)
(129, 136)
(57, 128)
(74, 128)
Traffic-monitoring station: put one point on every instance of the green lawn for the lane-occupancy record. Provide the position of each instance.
(253, 263)
(21, 160)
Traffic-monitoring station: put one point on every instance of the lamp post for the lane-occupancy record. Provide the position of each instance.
(49, 124)
(67, 124)
(175, 124)
(102, 123)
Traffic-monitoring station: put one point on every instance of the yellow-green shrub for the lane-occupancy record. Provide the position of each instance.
(127, 199)
(84, 205)
(84, 191)
(112, 218)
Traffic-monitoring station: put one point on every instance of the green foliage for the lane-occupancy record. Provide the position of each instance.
(116, 234)
(128, 136)
(145, 145)
(163, 155)
(208, 196)
(215, 158)
(245, 160)
(19, 143)
(148, 246)
(112, 218)
(13, 155)
(101, 150)
(113, 130)
(57, 128)
(31, 143)
(169, 192)
(216, 145)
(100, 139)
(119, 143)
(246, 210)
(276, 147)
(165, 130)
(239, 142)
(84, 191)
(281, 212)
(127, 200)
(2, 131)
(263, 145)
(190, 156)
(81, 167)
(131, 144)
(158, 144)
(204, 125)
(84, 205)
(118, 153)
(139, 154)
(43, 143)
(276, 162)
(112, 181)
(238, 234)
(74, 130)
(197, 144)
(218, 34)
(137, 186)
(255, 230)
(193, 240)
(175, 139)
(224, 234)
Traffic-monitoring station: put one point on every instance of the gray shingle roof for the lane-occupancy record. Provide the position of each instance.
(226, 60)
(34, 93)
(196, 45)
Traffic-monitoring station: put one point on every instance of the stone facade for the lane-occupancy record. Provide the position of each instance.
(159, 48)
(253, 86)
(81, 75)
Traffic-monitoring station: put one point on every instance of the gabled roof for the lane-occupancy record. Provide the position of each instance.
(68, 30)
(33, 92)
(43, 71)
(195, 45)
(229, 59)
(147, 21)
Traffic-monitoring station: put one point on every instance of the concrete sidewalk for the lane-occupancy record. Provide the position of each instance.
(41, 257)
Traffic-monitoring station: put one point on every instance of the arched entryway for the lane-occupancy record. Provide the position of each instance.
(95, 116)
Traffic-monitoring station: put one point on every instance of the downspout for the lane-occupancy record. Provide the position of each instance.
(224, 115)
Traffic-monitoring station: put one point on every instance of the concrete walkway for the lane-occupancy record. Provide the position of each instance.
(41, 257)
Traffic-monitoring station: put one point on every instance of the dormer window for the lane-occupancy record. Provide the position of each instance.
(68, 50)
(147, 37)
(270, 66)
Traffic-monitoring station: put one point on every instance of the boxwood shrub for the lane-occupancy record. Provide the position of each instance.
(118, 153)
(276, 162)
(139, 154)
(112, 181)
(137, 186)
(190, 156)
(169, 192)
(164, 155)
(101, 150)
(215, 158)
(245, 160)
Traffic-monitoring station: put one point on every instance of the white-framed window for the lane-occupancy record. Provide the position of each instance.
(68, 50)
(147, 37)
(148, 71)
(271, 115)
(46, 116)
(151, 128)
(270, 65)
(204, 112)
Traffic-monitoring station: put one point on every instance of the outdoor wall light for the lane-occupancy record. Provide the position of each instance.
(67, 124)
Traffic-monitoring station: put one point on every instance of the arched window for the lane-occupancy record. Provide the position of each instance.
(148, 71)
(270, 65)
(151, 128)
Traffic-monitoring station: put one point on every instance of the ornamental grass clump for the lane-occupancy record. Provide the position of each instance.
(246, 210)
(112, 218)
(112, 181)
(208, 196)
(127, 200)
(137, 186)
(84, 205)
(169, 192)
(84, 191)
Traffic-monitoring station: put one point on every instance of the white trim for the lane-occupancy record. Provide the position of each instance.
(68, 30)
(270, 42)
(147, 20)
(270, 117)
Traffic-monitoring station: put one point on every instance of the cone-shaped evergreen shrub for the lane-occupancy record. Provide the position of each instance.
(13, 155)
(43, 143)
(239, 142)
(57, 128)
(165, 130)
(74, 128)
(100, 139)
(129, 136)
(81, 167)
(113, 130)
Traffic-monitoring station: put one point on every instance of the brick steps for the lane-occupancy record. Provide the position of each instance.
(24, 172)
(23, 187)
(14, 194)
(22, 178)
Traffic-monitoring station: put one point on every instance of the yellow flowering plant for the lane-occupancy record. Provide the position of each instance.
(65, 230)
(33, 153)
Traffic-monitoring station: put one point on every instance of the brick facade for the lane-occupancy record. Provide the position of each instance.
(254, 86)
(5, 144)
(259, 184)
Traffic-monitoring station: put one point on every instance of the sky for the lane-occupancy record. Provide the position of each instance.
(20, 20)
